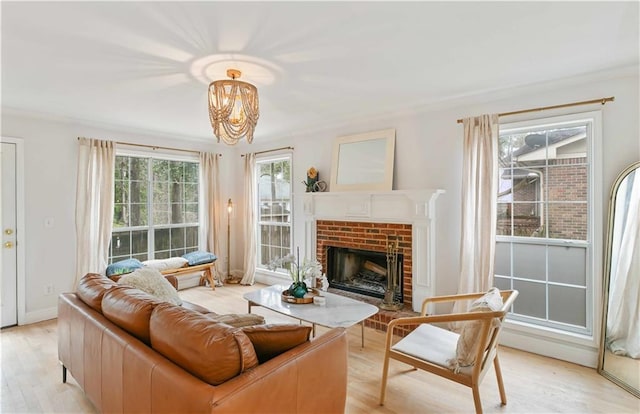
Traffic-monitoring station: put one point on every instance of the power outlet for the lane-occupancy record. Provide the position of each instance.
(48, 290)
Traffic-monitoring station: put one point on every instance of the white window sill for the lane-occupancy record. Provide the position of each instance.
(566, 346)
(272, 278)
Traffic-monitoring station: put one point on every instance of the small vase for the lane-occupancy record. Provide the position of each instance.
(299, 291)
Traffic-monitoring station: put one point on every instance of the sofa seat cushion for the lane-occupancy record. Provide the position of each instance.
(130, 309)
(237, 320)
(213, 352)
(271, 340)
(153, 282)
(92, 288)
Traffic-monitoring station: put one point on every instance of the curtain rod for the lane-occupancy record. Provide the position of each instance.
(271, 150)
(155, 147)
(544, 108)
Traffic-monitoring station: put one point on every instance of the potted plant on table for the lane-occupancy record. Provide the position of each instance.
(309, 270)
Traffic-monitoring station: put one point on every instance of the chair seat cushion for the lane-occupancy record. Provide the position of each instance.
(432, 344)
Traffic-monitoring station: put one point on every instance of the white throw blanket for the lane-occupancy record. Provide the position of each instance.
(153, 282)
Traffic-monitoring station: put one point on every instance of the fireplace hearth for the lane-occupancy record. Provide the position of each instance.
(360, 271)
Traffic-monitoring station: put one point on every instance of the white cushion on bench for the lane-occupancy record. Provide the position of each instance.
(164, 264)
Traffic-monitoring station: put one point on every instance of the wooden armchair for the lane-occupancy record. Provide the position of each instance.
(433, 349)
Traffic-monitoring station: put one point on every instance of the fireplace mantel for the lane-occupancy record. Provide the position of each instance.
(415, 207)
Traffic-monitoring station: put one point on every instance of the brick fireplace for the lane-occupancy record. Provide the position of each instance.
(367, 236)
(364, 220)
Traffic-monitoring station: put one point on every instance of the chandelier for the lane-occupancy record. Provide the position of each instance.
(233, 108)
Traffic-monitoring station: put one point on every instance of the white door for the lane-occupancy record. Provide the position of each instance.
(8, 258)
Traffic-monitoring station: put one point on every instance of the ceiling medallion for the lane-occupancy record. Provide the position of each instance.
(233, 108)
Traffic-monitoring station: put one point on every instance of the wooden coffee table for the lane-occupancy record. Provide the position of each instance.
(339, 311)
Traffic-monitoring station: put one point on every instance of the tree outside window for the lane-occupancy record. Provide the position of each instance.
(274, 208)
(156, 208)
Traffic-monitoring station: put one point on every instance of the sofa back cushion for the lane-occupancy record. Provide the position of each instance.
(130, 309)
(92, 288)
(213, 352)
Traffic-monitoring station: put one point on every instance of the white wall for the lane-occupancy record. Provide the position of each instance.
(428, 155)
(429, 148)
(50, 148)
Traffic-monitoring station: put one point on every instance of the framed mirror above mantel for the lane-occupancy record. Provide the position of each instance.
(363, 161)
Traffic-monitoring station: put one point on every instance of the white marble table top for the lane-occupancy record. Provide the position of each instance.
(339, 311)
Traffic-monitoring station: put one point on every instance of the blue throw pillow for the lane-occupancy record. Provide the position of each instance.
(198, 258)
(123, 266)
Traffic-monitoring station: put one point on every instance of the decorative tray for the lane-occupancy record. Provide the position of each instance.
(308, 297)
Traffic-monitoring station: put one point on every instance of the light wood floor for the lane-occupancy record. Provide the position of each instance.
(31, 376)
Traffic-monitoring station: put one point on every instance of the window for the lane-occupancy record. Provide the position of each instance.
(274, 208)
(155, 214)
(545, 220)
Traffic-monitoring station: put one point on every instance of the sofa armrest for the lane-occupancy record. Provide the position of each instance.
(311, 377)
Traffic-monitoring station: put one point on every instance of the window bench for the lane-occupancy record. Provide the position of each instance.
(207, 275)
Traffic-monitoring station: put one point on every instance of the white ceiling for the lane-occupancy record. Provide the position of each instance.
(139, 65)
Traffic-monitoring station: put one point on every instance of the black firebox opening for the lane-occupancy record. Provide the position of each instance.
(361, 271)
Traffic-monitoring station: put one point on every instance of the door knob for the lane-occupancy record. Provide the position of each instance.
(8, 245)
(8, 232)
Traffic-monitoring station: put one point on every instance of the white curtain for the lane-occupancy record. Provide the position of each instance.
(623, 317)
(479, 197)
(94, 205)
(249, 222)
(211, 207)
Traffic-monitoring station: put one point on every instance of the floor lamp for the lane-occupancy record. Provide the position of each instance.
(230, 278)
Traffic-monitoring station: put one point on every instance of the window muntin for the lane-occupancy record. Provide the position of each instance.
(156, 207)
(544, 222)
(273, 179)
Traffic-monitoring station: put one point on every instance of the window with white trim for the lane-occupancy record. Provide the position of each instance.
(273, 179)
(545, 220)
(156, 207)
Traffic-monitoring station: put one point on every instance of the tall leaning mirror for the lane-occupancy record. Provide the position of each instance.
(620, 347)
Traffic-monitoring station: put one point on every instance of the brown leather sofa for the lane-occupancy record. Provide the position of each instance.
(131, 353)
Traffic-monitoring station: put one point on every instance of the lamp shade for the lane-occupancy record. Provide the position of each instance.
(233, 109)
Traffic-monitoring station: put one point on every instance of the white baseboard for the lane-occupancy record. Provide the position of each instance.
(553, 348)
(39, 315)
(270, 279)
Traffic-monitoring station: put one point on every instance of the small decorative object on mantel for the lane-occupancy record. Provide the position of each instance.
(308, 272)
(312, 183)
